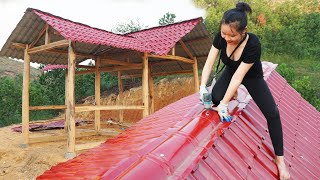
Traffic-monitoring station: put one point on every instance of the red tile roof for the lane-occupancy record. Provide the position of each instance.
(157, 40)
(181, 142)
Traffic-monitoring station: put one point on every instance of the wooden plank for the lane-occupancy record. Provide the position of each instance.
(170, 57)
(35, 108)
(25, 98)
(97, 95)
(120, 86)
(145, 85)
(103, 107)
(196, 75)
(121, 68)
(185, 48)
(71, 103)
(52, 45)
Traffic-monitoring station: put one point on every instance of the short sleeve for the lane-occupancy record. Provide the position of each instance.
(253, 53)
(217, 41)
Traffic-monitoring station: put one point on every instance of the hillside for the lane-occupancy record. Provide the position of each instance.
(9, 67)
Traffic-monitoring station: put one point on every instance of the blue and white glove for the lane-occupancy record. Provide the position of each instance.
(203, 89)
(223, 112)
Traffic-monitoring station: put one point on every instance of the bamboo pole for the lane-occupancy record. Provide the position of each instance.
(145, 86)
(97, 96)
(71, 104)
(195, 75)
(120, 85)
(25, 98)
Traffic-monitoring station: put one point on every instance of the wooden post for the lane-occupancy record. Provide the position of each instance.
(65, 101)
(47, 36)
(97, 96)
(151, 98)
(145, 86)
(25, 98)
(195, 75)
(71, 104)
(120, 85)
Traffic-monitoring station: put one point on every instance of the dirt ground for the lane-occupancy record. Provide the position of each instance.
(28, 163)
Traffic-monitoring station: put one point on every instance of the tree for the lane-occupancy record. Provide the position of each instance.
(128, 27)
(168, 18)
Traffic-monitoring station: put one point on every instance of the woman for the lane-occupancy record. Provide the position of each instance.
(240, 52)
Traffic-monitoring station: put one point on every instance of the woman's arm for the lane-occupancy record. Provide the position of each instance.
(212, 56)
(236, 81)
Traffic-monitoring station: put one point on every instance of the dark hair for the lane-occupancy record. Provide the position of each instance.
(237, 17)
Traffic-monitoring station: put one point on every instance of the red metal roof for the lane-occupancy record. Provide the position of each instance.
(158, 40)
(181, 142)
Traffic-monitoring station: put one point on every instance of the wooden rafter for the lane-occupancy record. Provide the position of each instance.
(185, 48)
(39, 36)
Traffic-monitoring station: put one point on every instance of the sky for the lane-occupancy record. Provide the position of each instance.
(103, 14)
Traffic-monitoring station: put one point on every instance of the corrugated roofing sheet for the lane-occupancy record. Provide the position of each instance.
(94, 41)
(181, 142)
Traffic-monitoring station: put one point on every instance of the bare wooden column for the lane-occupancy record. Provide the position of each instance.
(195, 75)
(151, 98)
(25, 98)
(65, 101)
(120, 85)
(71, 103)
(145, 86)
(97, 95)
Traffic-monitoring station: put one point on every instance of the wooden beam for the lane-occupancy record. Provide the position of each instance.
(86, 67)
(47, 37)
(115, 62)
(71, 103)
(158, 74)
(185, 48)
(195, 76)
(65, 101)
(145, 85)
(25, 98)
(38, 37)
(121, 68)
(102, 107)
(170, 57)
(97, 95)
(151, 93)
(52, 45)
(173, 50)
(36, 108)
(120, 86)
(109, 69)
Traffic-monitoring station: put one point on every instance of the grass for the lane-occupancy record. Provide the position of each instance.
(9, 67)
(301, 66)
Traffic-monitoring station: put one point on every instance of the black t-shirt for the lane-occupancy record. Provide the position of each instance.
(251, 54)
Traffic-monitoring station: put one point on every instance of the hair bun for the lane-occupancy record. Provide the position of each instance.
(244, 7)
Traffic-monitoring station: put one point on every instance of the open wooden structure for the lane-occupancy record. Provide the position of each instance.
(179, 48)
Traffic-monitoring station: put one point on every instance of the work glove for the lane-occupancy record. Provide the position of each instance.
(223, 112)
(203, 89)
